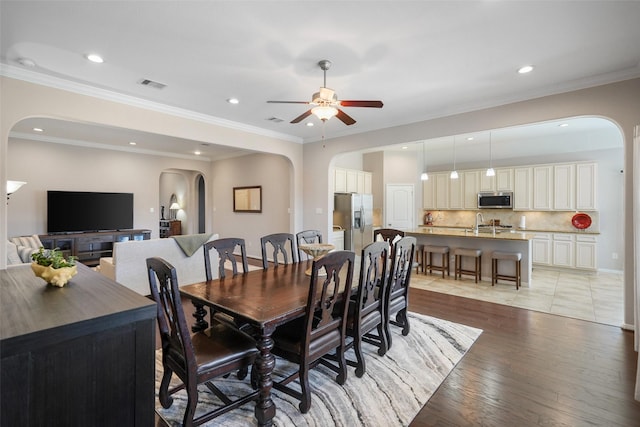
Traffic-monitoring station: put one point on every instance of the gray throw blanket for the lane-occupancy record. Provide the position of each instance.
(190, 243)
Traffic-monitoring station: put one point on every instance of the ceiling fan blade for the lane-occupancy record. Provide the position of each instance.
(372, 104)
(346, 119)
(287, 102)
(301, 117)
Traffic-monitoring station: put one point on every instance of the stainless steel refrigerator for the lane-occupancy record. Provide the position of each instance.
(354, 213)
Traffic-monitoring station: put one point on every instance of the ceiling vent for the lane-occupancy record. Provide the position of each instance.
(275, 119)
(151, 83)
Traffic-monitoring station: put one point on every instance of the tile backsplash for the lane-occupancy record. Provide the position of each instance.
(538, 220)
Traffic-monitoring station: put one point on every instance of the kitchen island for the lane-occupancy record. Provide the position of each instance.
(488, 240)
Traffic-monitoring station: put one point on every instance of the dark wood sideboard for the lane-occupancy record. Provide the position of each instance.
(81, 355)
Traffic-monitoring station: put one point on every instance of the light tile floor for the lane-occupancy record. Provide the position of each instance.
(597, 297)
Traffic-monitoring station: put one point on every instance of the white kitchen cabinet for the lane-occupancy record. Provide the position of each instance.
(541, 249)
(523, 189)
(487, 183)
(429, 193)
(586, 177)
(456, 192)
(586, 252)
(368, 183)
(339, 180)
(352, 181)
(564, 187)
(504, 179)
(563, 249)
(441, 190)
(542, 188)
(471, 185)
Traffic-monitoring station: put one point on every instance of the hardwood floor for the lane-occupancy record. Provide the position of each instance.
(529, 369)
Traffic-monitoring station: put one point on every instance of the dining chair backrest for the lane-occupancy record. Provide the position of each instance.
(372, 283)
(397, 298)
(283, 244)
(306, 237)
(172, 323)
(402, 259)
(369, 309)
(387, 234)
(329, 293)
(226, 249)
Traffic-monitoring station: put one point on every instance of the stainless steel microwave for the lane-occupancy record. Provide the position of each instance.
(495, 200)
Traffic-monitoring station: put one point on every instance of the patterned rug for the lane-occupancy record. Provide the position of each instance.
(392, 391)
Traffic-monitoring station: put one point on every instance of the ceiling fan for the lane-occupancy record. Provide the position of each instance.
(325, 102)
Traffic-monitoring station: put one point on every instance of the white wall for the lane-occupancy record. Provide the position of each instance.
(271, 172)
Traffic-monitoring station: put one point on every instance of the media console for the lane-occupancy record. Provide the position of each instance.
(89, 247)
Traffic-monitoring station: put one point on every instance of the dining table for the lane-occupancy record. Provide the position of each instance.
(263, 299)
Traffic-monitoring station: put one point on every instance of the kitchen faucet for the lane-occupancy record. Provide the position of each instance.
(478, 215)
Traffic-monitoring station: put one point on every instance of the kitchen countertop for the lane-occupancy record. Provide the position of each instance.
(501, 234)
(504, 230)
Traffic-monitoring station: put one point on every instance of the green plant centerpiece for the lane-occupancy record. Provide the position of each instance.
(51, 265)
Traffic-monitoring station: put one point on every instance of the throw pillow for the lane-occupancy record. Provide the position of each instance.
(13, 257)
(25, 252)
(29, 241)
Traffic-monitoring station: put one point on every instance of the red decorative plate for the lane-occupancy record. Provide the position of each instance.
(581, 221)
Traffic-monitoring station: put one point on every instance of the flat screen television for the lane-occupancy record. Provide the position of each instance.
(77, 211)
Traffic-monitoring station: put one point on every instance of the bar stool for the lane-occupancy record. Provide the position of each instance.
(444, 263)
(472, 253)
(508, 256)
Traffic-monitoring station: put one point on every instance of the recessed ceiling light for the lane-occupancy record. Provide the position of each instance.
(469, 138)
(38, 130)
(526, 69)
(233, 101)
(197, 153)
(93, 57)
(133, 143)
(310, 124)
(404, 147)
(563, 125)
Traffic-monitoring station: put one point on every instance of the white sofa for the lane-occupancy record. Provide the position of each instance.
(128, 267)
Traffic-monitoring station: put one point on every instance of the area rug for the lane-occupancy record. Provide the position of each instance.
(392, 391)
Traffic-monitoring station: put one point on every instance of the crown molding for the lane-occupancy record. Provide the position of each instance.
(42, 79)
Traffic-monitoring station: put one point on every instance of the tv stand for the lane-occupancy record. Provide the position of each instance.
(89, 247)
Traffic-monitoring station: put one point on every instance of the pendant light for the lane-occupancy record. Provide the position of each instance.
(424, 176)
(454, 172)
(490, 171)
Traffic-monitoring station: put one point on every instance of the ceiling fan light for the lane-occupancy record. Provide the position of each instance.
(491, 172)
(324, 113)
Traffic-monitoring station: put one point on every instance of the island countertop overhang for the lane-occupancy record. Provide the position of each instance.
(501, 234)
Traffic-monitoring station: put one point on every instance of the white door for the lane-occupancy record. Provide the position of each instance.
(400, 207)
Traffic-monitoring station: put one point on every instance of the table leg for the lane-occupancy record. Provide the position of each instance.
(199, 315)
(265, 408)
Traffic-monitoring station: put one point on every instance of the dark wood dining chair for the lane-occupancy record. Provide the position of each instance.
(195, 358)
(282, 243)
(304, 341)
(366, 310)
(306, 237)
(390, 234)
(226, 252)
(398, 294)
